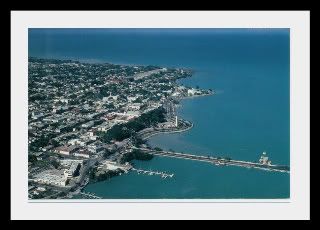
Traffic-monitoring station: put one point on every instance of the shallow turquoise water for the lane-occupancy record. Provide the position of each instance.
(249, 69)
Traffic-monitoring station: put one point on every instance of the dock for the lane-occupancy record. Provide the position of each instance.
(151, 173)
(90, 195)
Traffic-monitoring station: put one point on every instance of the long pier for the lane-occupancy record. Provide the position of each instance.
(218, 160)
(151, 173)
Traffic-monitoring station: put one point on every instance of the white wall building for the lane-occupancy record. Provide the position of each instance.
(112, 165)
(134, 106)
(88, 124)
(51, 177)
(73, 141)
(191, 92)
(83, 153)
(69, 173)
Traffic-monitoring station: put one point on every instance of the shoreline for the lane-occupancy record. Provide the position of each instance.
(156, 132)
(79, 190)
(186, 125)
(182, 130)
(195, 96)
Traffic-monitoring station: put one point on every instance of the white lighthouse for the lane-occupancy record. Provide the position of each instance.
(176, 123)
(264, 159)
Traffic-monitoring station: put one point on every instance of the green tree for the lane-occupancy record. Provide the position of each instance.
(137, 141)
(138, 100)
(157, 149)
(32, 158)
(123, 131)
(227, 158)
(55, 143)
(55, 164)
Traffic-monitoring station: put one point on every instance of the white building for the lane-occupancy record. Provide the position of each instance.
(64, 101)
(192, 92)
(105, 126)
(84, 141)
(134, 106)
(91, 133)
(66, 150)
(36, 115)
(133, 113)
(176, 94)
(74, 167)
(68, 162)
(110, 98)
(131, 99)
(83, 153)
(112, 165)
(96, 148)
(88, 124)
(74, 141)
(126, 116)
(51, 177)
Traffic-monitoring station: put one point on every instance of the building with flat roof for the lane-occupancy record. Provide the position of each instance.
(68, 162)
(134, 106)
(112, 165)
(96, 148)
(66, 150)
(51, 177)
(72, 171)
(84, 153)
(88, 124)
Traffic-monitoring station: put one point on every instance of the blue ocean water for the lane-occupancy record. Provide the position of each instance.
(249, 70)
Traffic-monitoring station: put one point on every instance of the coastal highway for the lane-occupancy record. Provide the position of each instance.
(217, 160)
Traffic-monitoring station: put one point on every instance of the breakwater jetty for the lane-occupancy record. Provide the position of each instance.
(219, 161)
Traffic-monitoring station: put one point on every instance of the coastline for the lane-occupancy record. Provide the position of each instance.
(195, 96)
(168, 131)
(156, 132)
(182, 130)
(239, 123)
(79, 190)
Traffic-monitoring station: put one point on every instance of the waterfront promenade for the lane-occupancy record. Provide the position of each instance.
(149, 132)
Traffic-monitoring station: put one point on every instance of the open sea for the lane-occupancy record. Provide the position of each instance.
(249, 114)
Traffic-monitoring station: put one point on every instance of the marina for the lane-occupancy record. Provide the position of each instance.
(90, 195)
(151, 173)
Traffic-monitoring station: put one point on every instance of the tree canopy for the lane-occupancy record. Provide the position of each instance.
(123, 131)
